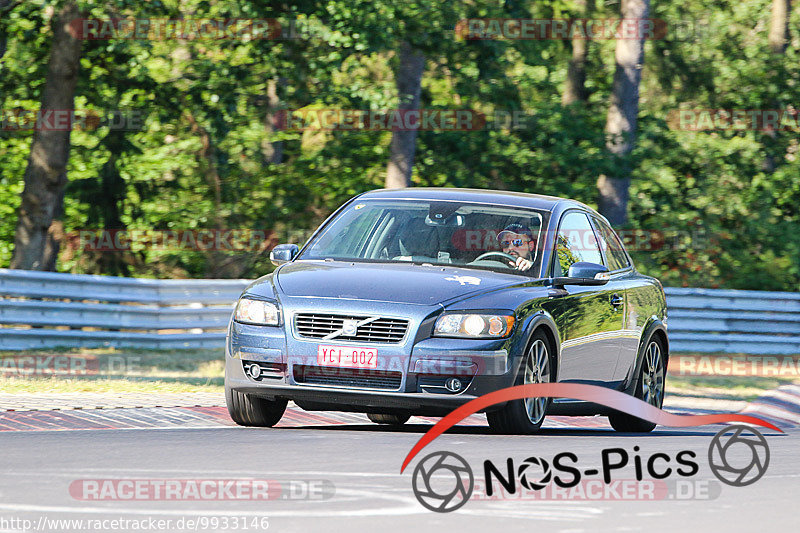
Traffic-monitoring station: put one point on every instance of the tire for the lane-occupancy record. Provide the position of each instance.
(525, 416)
(649, 387)
(389, 420)
(249, 410)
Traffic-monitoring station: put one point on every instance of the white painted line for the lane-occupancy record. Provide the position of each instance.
(411, 507)
(221, 426)
(293, 474)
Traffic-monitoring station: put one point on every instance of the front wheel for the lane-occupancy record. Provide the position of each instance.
(249, 410)
(525, 416)
(389, 420)
(649, 387)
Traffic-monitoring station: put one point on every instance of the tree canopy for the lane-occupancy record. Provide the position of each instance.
(203, 143)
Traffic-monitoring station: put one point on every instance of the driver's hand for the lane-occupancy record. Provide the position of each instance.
(523, 264)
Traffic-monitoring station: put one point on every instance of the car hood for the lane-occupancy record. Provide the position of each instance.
(400, 283)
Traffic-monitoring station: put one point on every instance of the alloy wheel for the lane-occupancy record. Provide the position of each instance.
(653, 376)
(537, 370)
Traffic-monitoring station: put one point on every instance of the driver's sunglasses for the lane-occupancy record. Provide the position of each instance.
(514, 242)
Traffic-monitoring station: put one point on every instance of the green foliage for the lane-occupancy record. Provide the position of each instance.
(712, 213)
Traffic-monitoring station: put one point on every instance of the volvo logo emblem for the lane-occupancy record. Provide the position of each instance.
(350, 327)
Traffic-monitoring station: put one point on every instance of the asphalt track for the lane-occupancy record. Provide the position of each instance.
(358, 466)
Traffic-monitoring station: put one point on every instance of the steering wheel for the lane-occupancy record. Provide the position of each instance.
(507, 257)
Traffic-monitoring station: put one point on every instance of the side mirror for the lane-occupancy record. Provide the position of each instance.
(283, 253)
(584, 273)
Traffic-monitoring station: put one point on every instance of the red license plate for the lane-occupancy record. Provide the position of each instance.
(347, 356)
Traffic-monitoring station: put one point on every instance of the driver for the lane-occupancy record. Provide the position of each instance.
(517, 240)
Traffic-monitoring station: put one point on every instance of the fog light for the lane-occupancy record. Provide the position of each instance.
(453, 384)
(254, 371)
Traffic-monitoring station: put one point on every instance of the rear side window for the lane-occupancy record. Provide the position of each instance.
(611, 245)
(575, 242)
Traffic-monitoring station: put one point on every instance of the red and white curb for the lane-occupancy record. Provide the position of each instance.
(210, 417)
(780, 406)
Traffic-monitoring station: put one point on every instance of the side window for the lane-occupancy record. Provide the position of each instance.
(615, 253)
(575, 242)
(349, 242)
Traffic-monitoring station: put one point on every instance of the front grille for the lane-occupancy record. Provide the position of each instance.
(320, 325)
(347, 377)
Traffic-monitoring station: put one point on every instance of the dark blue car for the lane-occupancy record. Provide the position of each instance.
(414, 301)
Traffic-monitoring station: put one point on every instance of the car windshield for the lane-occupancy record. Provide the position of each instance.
(437, 232)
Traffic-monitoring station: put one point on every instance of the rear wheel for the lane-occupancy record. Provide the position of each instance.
(390, 420)
(525, 416)
(249, 410)
(649, 388)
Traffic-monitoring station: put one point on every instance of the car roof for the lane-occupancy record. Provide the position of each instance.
(506, 198)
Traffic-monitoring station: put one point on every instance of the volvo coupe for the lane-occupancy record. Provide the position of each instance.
(414, 301)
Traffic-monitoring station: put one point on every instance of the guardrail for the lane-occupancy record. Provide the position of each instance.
(46, 310)
(729, 321)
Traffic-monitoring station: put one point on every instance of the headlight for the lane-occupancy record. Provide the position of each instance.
(257, 312)
(474, 325)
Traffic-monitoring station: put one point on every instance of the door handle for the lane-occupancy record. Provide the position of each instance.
(616, 300)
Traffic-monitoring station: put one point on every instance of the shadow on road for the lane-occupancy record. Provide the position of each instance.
(485, 430)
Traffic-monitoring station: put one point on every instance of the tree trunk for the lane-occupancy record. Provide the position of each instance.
(622, 114)
(55, 236)
(5, 8)
(403, 145)
(575, 87)
(778, 41)
(272, 151)
(36, 241)
(779, 25)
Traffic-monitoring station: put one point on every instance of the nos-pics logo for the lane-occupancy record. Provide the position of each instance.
(443, 481)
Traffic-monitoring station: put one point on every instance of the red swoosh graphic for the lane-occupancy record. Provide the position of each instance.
(589, 393)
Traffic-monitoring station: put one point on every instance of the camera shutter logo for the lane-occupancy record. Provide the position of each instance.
(738, 455)
(443, 482)
(527, 476)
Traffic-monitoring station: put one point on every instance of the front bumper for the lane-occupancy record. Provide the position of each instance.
(360, 401)
(482, 365)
